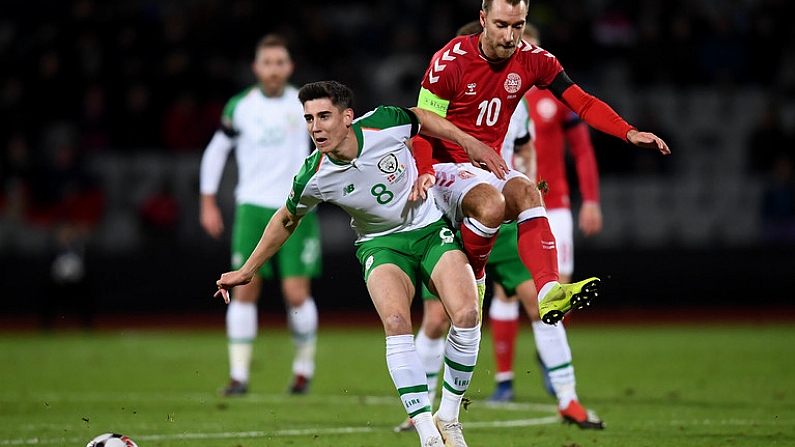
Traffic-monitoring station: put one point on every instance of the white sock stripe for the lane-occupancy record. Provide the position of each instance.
(480, 229)
(400, 343)
(532, 213)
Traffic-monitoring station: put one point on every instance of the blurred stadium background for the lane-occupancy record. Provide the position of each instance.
(106, 108)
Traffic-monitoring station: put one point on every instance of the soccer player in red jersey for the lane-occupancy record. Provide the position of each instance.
(556, 127)
(476, 82)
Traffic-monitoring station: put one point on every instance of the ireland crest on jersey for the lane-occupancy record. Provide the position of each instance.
(388, 164)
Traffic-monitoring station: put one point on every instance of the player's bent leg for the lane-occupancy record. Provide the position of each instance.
(483, 208)
(430, 342)
(391, 292)
(520, 194)
(456, 288)
(536, 243)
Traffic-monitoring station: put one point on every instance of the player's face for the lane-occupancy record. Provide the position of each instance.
(273, 67)
(502, 29)
(327, 125)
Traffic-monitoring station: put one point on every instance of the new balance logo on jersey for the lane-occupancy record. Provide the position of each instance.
(347, 190)
(439, 65)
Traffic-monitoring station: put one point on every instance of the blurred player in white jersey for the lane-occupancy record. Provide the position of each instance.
(264, 125)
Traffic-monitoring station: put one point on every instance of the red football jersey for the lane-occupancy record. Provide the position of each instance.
(483, 95)
(556, 125)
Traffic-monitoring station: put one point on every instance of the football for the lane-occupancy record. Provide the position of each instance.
(111, 440)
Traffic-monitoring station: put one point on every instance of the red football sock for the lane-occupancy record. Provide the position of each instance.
(477, 246)
(504, 334)
(538, 250)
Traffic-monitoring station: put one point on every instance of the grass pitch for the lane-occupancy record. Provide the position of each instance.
(677, 386)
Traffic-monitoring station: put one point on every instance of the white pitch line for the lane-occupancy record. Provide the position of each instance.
(352, 430)
(277, 433)
(258, 398)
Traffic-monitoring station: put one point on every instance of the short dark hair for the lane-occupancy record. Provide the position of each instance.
(486, 6)
(341, 95)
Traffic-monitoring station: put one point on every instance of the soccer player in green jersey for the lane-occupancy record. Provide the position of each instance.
(365, 166)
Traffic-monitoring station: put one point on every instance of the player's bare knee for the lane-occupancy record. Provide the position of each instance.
(395, 324)
(296, 290)
(466, 317)
(248, 293)
(484, 204)
(521, 194)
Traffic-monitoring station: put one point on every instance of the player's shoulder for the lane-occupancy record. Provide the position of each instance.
(383, 117)
(529, 55)
(291, 91)
(310, 167)
(458, 49)
(529, 50)
(450, 62)
(235, 100)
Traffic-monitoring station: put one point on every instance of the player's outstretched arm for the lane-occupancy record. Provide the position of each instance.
(278, 230)
(479, 153)
(602, 117)
(647, 140)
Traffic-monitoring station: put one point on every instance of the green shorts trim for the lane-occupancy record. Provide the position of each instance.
(299, 257)
(414, 252)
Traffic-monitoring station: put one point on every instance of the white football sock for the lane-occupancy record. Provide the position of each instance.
(241, 330)
(553, 348)
(302, 321)
(407, 373)
(504, 310)
(460, 358)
